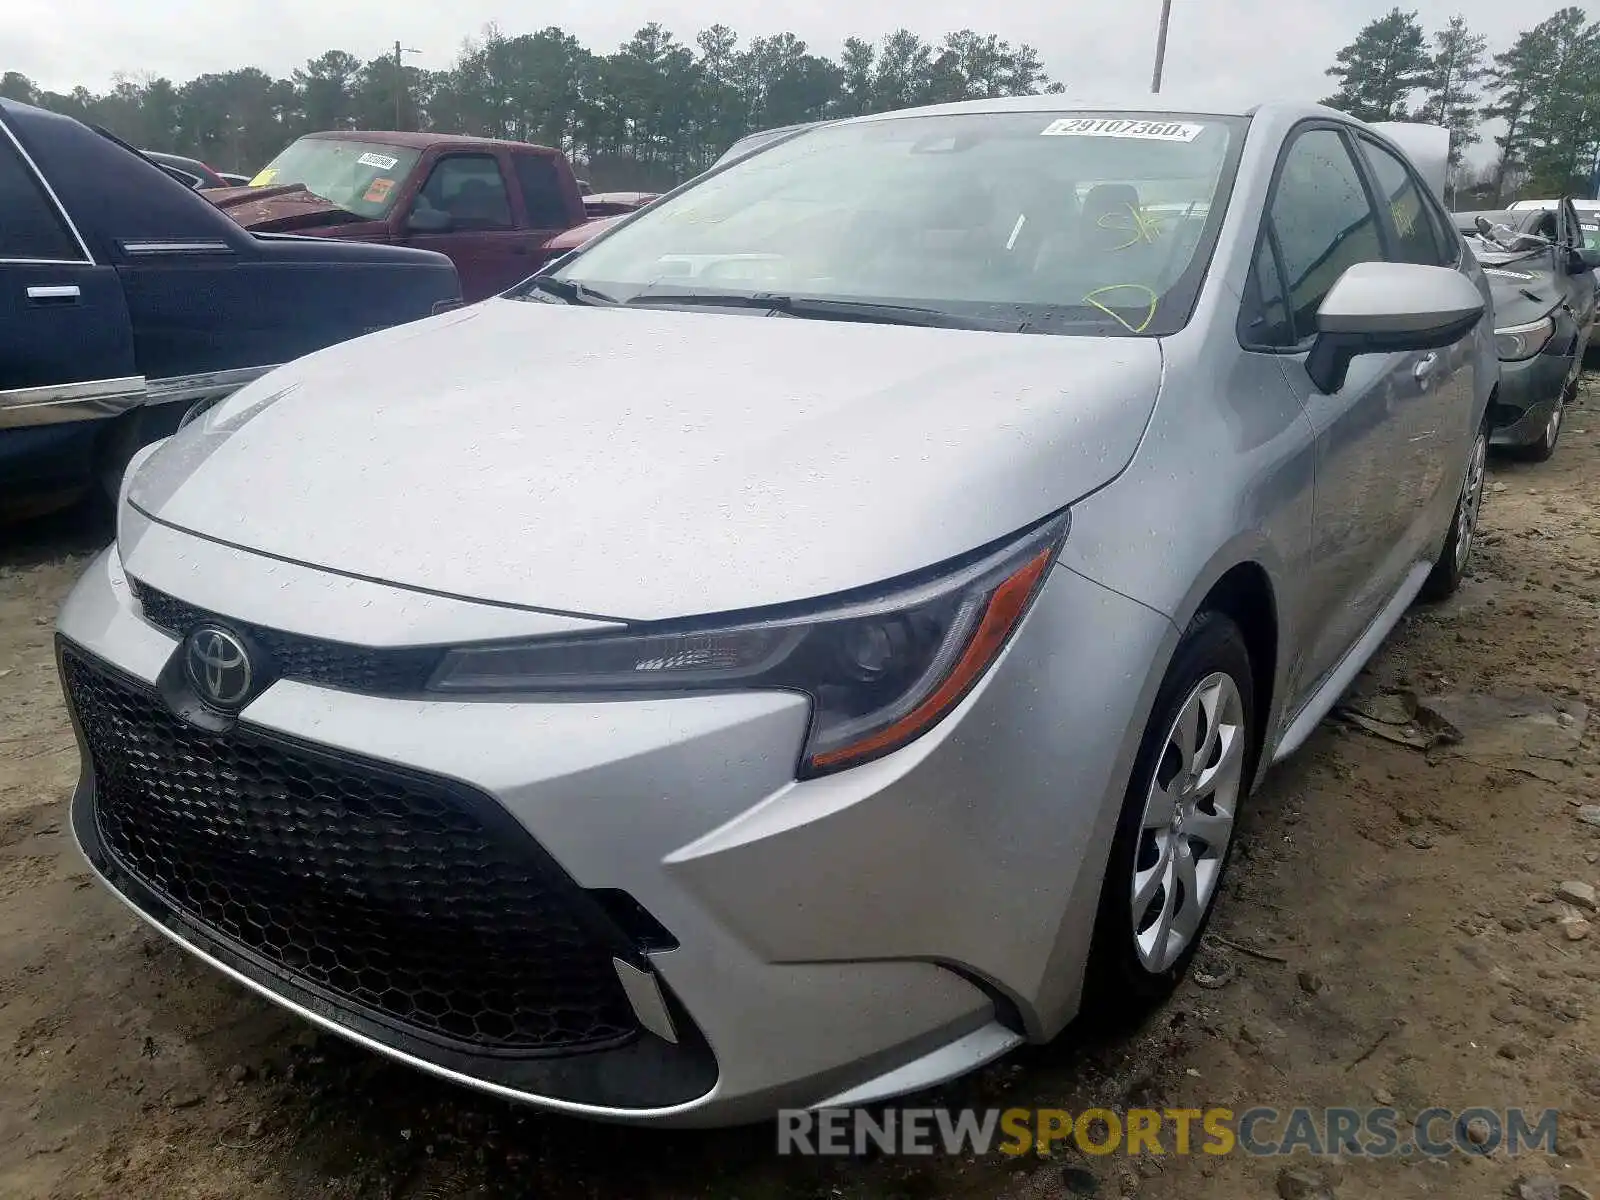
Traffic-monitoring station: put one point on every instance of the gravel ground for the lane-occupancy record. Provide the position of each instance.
(1393, 933)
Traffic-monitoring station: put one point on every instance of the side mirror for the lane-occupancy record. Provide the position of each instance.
(1388, 308)
(429, 220)
(1485, 227)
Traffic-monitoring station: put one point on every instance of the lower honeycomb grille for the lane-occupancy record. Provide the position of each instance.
(410, 899)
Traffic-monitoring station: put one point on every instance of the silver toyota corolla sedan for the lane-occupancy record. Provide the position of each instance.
(812, 641)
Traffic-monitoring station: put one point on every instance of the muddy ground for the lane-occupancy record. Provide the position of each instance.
(1392, 935)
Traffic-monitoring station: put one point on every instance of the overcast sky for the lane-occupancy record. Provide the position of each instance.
(1271, 48)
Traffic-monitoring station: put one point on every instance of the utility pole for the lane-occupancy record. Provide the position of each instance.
(400, 81)
(1161, 46)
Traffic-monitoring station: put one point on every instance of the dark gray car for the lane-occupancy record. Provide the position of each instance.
(1543, 283)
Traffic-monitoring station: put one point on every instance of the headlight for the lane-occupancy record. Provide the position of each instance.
(881, 666)
(1516, 342)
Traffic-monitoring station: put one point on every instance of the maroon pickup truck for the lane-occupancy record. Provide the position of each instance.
(493, 207)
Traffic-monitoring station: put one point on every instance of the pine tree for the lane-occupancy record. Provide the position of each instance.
(1454, 74)
(1380, 69)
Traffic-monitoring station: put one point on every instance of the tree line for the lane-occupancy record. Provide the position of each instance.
(1545, 87)
(652, 113)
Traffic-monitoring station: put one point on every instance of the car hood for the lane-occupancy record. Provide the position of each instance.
(1519, 290)
(285, 209)
(644, 464)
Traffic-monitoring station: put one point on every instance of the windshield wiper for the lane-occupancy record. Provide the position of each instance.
(566, 289)
(827, 309)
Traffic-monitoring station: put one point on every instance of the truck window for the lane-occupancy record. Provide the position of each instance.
(542, 196)
(31, 227)
(470, 189)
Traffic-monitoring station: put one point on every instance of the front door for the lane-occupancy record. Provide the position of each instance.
(482, 236)
(1320, 221)
(1580, 287)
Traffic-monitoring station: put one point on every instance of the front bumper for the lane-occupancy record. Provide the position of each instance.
(839, 940)
(1529, 392)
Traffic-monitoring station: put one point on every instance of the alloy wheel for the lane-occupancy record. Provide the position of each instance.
(1188, 821)
(1472, 499)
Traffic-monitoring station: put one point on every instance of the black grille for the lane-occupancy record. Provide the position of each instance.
(418, 902)
(310, 660)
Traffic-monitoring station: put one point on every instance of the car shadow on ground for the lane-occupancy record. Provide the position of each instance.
(80, 530)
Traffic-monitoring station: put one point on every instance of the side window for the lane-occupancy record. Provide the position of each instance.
(30, 224)
(1398, 190)
(542, 196)
(469, 189)
(1324, 221)
(1264, 321)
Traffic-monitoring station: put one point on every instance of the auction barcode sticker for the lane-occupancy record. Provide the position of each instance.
(1156, 131)
(382, 161)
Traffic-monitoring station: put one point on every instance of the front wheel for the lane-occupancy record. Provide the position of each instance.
(1176, 829)
(1541, 450)
(1451, 565)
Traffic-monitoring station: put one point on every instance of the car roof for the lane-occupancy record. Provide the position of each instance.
(422, 141)
(1198, 102)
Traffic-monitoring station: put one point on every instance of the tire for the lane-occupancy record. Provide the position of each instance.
(1131, 967)
(1451, 566)
(1541, 450)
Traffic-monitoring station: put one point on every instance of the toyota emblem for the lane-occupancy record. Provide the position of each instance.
(218, 666)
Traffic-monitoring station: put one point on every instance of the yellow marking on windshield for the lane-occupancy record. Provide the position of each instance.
(1143, 226)
(264, 177)
(1150, 312)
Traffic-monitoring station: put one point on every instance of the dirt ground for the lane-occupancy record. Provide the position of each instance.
(1392, 934)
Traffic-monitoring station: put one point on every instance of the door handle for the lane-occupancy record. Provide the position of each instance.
(58, 294)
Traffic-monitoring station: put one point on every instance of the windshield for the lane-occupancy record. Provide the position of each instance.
(1061, 224)
(360, 177)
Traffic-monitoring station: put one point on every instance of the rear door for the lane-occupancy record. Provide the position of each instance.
(491, 253)
(65, 336)
(1438, 420)
(551, 202)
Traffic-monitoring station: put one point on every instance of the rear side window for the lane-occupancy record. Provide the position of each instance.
(30, 224)
(1416, 240)
(1324, 222)
(542, 196)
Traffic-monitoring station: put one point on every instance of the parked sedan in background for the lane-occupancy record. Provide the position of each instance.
(1543, 279)
(125, 298)
(669, 696)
